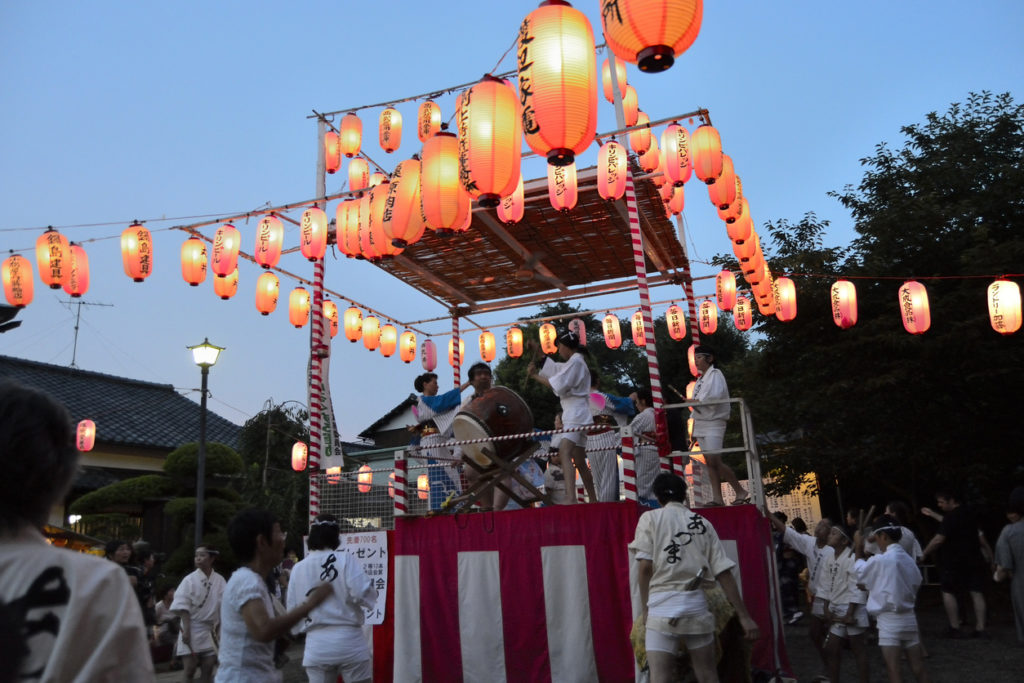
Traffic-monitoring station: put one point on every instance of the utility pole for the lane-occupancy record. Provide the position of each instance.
(78, 317)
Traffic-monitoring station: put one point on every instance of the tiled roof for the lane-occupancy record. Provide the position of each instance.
(127, 412)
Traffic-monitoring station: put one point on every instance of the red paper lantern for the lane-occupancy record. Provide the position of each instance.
(442, 200)
(313, 233)
(1004, 306)
(637, 323)
(490, 140)
(708, 317)
(227, 286)
(333, 475)
(451, 351)
(380, 242)
(269, 239)
(488, 347)
(330, 313)
(786, 300)
(428, 355)
(735, 210)
(366, 245)
(347, 227)
(226, 242)
(428, 120)
(606, 78)
(365, 479)
(725, 290)
(650, 161)
(390, 129)
(267, 289)
(422, 486)
(562, 187)
(640, 139)
(612, 331)
(577, 327)
(298, 307)
(843, 296)
(611, 171)
(18, 284)
(691, 360)
(332, 151)
(651, 33)
(742, 314)
(52, 258)
(914, 309)
(723, 192)
(371, 333)
(677, 202)
(85, 437)
(557, 81)
(137, 252)
(77, 282)
(402, 221)
(193, 261)
(514, 342)
(548, 336)
(630, 107)
(675, 145)
(407, 347)
(388, 340)
(742, 228)
(353, 324)
(358, 174)
(351, 135)
(676, 322)
(706, 154)
(511, 208)
(300, 456)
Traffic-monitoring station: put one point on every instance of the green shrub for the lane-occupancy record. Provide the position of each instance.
(220, 460)
(130, 493)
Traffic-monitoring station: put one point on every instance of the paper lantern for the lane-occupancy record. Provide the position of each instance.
(676, 322)
(298, 307)
(606, 78)
(137, 252)
(85, 435)
(451, 351)
(745, 250)
(630, 107)
(640, 139)
(650, 161)
(226, 242)
(557, 81)
(577, 327)
(611, 171)
(227, 286)
(353, 321)
(637, 324)
(52, 257)
(332, 151)
(706, 154)
(351, 135)
(428, 355)
(562, 187)
(766, 305)
(422, 486)
(313, 233)
(735, 210)
(267, 289)
(914, 310)
(742, 228)
(18, 284)
(725, 290)
(488, 347)
(691, 361)
(612, 331)
(786, 300)
(366, 244)
(843, 296)
(358, 174)
(388, 340)
(371, 333)
(1004, 306)
(402, 221)
(490, 140)
(742, 314)
(677, 202)
(269, 240)
(333, 475)
(442, 200)
(390, 129)
(300, 456)
(651, 33)
(365, 479)
(707, 316)
(77, 281)
(514, 342)
(675, 146)
(376, 178)
(330, 314)
(722, 193)
(407, 346)
(548, 338)
(193, 261)
(511, 208)
(428, 120)
(347, 227)
(380, 242)
(391, 485)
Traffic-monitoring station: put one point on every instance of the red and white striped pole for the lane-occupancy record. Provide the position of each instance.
(401, 477)
(456, 356)
(628, 464)
(317, 348)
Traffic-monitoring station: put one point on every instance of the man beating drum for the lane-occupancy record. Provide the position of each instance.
(434, 414)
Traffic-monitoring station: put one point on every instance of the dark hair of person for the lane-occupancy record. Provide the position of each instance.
(644, 394)
(799, 524)
(324, 533)
(478, 367)
(900, 511)
(142, 555)
(669, 488)
(111, 547)
(421, 381)
(37, 455)
(1016, 502)
(246, 527)
(949, 494)
(209, 548)
(570, 340)
(890, 526)
(782, 516)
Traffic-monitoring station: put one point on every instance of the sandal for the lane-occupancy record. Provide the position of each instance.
(741, 501)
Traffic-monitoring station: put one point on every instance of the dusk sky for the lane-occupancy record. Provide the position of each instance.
(172, 113)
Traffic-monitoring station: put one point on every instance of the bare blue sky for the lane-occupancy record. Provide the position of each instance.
(111, 111)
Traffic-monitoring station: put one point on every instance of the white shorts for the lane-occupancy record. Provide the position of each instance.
(898, 630)
(818, 608)
(350, 671)
(669, 642)
(859, 625)
(578, 438)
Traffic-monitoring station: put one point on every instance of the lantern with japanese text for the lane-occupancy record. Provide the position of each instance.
(137, 252)
(708, 317)
(18, 283)
(77, 281)
(650, 161)
(358, 174)
(353, 321)
(675, 145)
(267, 289)
(422, 486)
(637, 324)
(333, 475)
(390, 129)
(402, 222)
(351, 135)
(347, 227)
(365, 479)
(742, 314)
(226, 286)
(676, 322)
(651, 33)
(1004, 306)
(562, 187)
(428, 120)
(428, 355)
(611, 171)
(488, 347)
(490, 140)
(300, 456)
(843, 296)
(313, 233)
(193, 261)
(548, 337)
(514, 342)
(269, 239)
(298, 307)
(722, 193)
(640, 139)
(407, 346)
(85, 435)
(330, 311)
(577, 327)
(226, 242)
(725, 290)
(366, 245)
(371, 333)
(442, 199)
(332, 151)
(691, 354)
(706, 154)
(557, 81)
(511, 208)
(630, 107)
(612, 331)
(914, 310)
(451, 351)
(52, 257)
(388, 340)
(606, 78)
(786, 304)
(378, 237)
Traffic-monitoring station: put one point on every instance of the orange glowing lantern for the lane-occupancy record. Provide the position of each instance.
(612, 331)
(708, 317)
(514, 342)
(428, 120)
(706, 154)
(193, 261)
(742, 314)
(269, 239)
(391, 485)
(227, 286)
(390, 129)
(137, 252)
(388, 340)
(676, 322)
(347, 227)
(844, 304)
(735, 210)
(650, 161)
(577, 327)
(1004, 306)
(267, 289)
(511, 208)
(640, 139)
(351, 135)
(651, 33)
(548, 338)
(380, 242)
(637, 323)
(488, 347)
(442, 200)
(330, 312)
(677, 202)
(353, 321)
(723, 192)
(423, 486)
(332, 151)
(52, 258)
(914, 308)
(490, 140)
(300, 456)
(377, 178)
(18, 284)
(786, 304)
(298, 307)
(366, 246)
(428, 355)
(557, 81)
(611, 171)
(766, 305)
(402, 222)
(562, 187)
(226, 242)
(606, 78)
(85, 437)
(630, 107)
(742, 228)
(333, 475)
(358, 174)
(744, 251)
(451, 351)
(407, 346)
(313, 233)
(691, 360)
(675, 143)
(371, 333)
(725, 290)
(77, 282)
(365, 479)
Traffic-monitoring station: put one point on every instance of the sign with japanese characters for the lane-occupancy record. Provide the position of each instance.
(370, 548)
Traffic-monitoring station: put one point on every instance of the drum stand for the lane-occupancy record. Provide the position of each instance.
(493, 476)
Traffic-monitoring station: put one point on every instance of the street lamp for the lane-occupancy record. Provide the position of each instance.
(205, 356)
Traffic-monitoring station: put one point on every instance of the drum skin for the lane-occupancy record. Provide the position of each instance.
(499, 411)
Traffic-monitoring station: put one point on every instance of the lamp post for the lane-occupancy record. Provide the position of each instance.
(205, 356)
